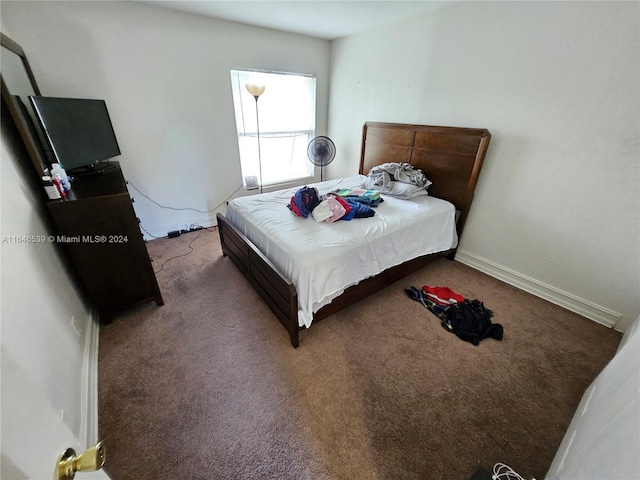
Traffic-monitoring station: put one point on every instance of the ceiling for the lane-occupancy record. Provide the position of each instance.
(328, 19)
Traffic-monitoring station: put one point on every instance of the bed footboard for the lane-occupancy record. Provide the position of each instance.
(275, 289)
(280, 294)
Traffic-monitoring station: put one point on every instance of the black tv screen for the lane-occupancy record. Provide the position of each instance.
(78, 130)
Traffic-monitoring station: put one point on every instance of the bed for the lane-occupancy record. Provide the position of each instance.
(293, 276)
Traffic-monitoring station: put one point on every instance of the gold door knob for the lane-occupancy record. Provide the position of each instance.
(90, 460)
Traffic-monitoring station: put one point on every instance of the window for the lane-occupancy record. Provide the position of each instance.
(287, 113)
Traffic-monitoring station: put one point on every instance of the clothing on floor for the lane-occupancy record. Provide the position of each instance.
(470, 320)
(442, 295)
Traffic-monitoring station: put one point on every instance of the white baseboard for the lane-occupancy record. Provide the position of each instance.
(552, 294)
(88, 435)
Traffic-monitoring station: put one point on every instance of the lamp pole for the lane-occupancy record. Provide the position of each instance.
(256, 91)
(258, 129)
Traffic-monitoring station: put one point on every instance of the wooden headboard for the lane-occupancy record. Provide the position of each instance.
(450, 157)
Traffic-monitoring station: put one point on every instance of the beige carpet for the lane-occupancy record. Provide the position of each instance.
(209, 387)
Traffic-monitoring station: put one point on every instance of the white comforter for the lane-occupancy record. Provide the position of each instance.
(323, 259)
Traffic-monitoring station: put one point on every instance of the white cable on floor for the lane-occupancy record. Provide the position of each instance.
(502, 471)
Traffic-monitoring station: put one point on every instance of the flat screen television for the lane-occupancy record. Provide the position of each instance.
(78, 130)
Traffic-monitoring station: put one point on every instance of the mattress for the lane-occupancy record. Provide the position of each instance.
(323, 259)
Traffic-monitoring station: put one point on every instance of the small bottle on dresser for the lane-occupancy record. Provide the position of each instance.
(50, 188)
(58, 183)
(57, 170)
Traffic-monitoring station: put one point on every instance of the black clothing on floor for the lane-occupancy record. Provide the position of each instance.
(471, 321)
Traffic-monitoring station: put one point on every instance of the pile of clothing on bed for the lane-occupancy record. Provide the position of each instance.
(401, 180)
(341, 204)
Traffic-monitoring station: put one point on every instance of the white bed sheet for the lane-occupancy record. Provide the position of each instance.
(323, 259)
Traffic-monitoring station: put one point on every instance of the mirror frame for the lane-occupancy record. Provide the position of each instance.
(16, 111)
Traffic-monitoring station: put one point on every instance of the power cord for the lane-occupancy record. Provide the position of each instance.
(192, 227)
(502, 471)
(189, 245)
(208, 229)
(128, 182)
(145, 231)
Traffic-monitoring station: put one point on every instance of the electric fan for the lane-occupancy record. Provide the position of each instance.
(321, 151)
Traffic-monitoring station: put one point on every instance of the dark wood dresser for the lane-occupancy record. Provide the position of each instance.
(98, 228)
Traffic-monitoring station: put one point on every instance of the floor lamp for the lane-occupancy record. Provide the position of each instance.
(256, 91)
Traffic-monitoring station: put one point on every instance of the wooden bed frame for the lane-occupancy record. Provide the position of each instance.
(451, 158)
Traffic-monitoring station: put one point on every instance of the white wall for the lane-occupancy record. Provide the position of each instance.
(558, 86)
(165, 78)
(603, 439)
(46, 327)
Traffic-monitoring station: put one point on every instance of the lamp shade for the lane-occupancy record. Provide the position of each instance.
(255, 90)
